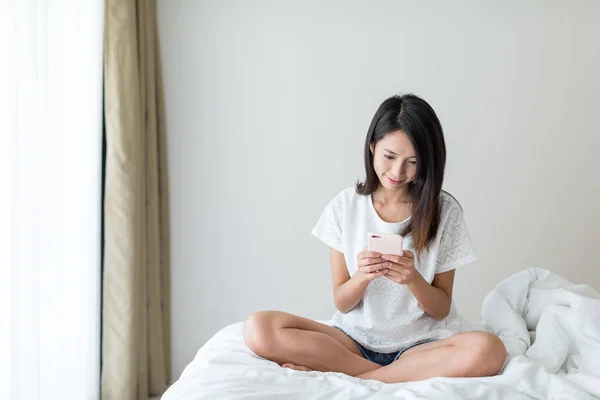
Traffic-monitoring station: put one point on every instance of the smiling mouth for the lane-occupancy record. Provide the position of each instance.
(393, 181)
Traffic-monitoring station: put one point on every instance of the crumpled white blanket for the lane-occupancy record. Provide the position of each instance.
(550, 326)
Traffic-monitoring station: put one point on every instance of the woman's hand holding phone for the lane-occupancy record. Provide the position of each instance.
(385, 253)
(401, 268)
(371, 266)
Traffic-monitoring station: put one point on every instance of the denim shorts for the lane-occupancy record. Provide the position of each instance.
(384, 359)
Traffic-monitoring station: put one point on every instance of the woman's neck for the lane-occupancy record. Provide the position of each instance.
(388, 197)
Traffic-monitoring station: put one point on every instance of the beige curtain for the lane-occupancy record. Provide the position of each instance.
(135, 329)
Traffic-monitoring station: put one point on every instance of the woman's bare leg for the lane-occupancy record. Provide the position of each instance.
(288, 339)
(467, 354)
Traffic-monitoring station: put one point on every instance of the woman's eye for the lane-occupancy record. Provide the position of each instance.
(388, 157)
(412, 162)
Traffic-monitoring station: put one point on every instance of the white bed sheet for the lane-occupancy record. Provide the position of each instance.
(551, 329)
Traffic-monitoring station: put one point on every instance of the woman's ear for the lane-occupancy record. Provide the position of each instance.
(371, 147)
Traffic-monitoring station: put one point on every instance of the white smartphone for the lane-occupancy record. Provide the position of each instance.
(385, 243)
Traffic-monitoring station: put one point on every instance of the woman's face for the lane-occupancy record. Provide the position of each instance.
(395, 161)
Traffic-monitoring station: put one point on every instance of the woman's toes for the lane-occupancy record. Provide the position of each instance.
(296, 367)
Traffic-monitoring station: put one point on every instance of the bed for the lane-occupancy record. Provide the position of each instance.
(551, 329)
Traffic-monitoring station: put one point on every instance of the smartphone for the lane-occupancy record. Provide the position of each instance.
(385, 243)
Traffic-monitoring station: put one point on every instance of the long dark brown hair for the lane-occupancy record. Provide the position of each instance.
(415, 117)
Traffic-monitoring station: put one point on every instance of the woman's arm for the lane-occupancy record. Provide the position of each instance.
(434, 299)
(348, 292)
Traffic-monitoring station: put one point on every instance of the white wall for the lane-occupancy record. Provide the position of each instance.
(268, 104)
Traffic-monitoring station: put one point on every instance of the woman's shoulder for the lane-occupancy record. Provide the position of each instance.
(348, 198)
(449, 203)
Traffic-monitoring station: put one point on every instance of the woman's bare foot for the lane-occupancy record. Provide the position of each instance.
(296, 367)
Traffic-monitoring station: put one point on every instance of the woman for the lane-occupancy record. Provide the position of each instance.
(391, 323)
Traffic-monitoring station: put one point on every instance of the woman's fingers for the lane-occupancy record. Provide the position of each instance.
(400, 260)
(374, 275)
(396, 276)
(369, 261)
(392, 258)
(393, 273)
(368, 254)
(375, 267)
(398, 267)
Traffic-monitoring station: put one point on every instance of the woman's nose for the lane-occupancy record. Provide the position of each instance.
(399, 172)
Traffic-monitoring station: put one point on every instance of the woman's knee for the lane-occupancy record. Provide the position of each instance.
(484, 354)
(259, 332)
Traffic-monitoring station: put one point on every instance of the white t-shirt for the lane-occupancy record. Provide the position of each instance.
(389, 317)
